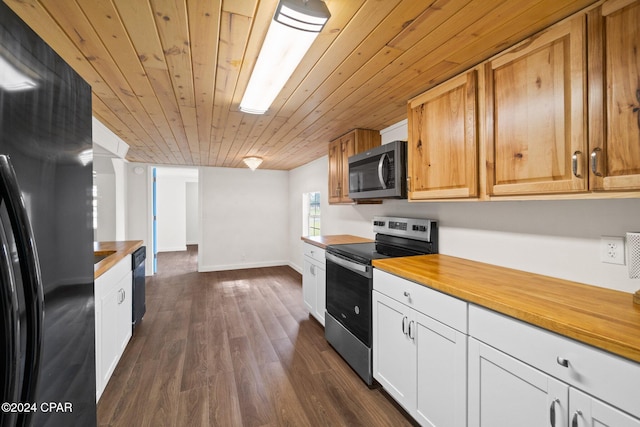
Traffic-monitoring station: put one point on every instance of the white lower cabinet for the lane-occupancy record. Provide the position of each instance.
(522, 375)
(113, 306)
(314, 281)
(506, 392)
(419, 360)
(586, 411)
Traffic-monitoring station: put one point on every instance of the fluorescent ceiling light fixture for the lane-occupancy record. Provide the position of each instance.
(252, 162)
(11, 79)
(293, 29)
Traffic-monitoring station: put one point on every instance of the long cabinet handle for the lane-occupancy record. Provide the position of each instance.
(31, 282)
(411, 332)
(574, 163)
(594, 161)
(404, 325)
(574, 419)
(552, 412)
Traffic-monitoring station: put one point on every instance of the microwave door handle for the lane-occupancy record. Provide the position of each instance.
(31, 281)
(383, 183)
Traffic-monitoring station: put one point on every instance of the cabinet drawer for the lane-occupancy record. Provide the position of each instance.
(112, 276)
(599, 373)
(314, 252)
(441, 307)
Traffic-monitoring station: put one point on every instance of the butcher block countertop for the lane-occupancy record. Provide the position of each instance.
(115, 251)
(604, 318)
(336, 239)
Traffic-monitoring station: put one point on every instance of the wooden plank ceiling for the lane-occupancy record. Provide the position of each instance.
(168, 75)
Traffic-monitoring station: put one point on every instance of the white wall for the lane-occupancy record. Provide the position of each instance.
(139, 180)
(244, 218)
(555, 238)
(106, 196)
(193, 215)
(171, 206)
(111, 179)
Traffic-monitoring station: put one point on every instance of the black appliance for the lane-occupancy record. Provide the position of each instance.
(47, 325)
(379, 173)
(348, 320)
(139, 305)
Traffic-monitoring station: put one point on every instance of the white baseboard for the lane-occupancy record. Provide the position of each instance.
(173, 249)
(224, 267)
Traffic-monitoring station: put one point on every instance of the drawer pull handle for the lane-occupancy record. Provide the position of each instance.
(574, 419)
(562, 361)
(407, 294)
(552, 412)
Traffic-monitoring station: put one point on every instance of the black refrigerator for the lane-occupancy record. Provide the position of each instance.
(47, 329)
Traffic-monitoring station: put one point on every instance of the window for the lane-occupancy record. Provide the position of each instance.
(311, 214)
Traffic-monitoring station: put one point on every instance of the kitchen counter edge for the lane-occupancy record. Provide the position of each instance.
(334, 239)
(120, 250)
(603, 318)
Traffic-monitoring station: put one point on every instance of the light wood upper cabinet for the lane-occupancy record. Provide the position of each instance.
(443, 142)
(614, 96)
(340, 149)
(536, 136)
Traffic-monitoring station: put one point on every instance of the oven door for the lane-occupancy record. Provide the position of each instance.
(349, 287)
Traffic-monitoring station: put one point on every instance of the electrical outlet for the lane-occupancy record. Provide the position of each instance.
(612, 250)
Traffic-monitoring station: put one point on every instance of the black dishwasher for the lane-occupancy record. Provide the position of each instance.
(139, 305)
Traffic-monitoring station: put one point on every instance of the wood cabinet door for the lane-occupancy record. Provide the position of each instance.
(348, 149)
(614, 96)
(335, 171)
(443, 143)
(535, 114)
(505, 392)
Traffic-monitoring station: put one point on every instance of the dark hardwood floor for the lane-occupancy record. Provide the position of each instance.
(234, 348)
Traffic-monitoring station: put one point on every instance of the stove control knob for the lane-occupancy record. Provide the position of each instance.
(422, 228)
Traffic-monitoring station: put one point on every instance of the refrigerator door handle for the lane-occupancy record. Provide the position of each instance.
(31, 279)
(11, 332)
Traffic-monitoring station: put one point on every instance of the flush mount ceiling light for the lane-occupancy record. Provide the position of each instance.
(294, 27)
(252, 162)
(11, 79)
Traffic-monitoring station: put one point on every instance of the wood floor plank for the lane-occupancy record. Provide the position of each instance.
(163, 405)
(235, 348)
(287, 406)
(255, 405)
(194, 407)
(224, 408)
(195, 373)
(218, 350)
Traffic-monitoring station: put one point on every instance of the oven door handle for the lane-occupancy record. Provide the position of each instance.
(361, 269)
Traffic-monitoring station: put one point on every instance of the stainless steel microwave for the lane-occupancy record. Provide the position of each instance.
(379, 173)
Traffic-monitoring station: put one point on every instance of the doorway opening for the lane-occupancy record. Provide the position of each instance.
(175, 216)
